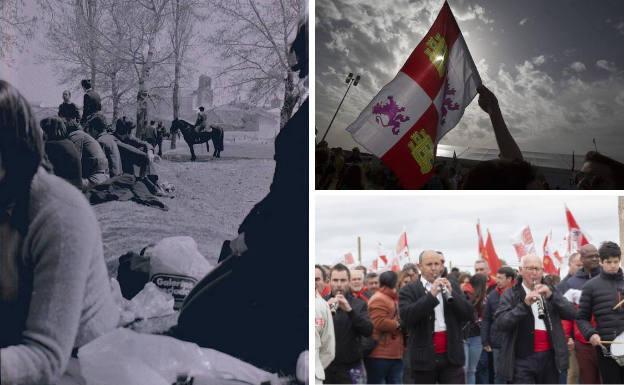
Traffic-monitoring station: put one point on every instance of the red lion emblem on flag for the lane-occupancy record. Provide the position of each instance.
(392, 112)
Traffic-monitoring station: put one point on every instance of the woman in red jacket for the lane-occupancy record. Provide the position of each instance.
(385, 364)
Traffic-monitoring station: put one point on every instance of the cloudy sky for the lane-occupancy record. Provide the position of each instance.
(556, 66)
(448, 223)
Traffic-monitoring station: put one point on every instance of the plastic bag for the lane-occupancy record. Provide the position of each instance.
(126, 357)
(148, 303)
(176, 266)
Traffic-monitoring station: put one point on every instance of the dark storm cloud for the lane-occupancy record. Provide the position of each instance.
(557, 67)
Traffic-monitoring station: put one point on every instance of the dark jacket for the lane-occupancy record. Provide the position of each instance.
(576, 282)
(68, 111)
(416, 308)
(91, 104)
(109, 144)
(65, 160)
(92, 157)
(349, 329)
(514, 318)
(489, 333)
(599, 297)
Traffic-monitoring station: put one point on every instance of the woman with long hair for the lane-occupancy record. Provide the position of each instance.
(475, 291)
(54, 289)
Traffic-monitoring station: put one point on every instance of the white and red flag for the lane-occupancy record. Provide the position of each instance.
(382, 258)
(402, 250)
(426, 99)
(552, 260)
(576, 237)
(523, 242)
(349, 260)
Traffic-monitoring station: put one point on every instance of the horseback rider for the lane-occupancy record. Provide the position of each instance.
(200, 123)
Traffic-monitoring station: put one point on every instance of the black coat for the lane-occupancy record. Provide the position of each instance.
(599, 297)
(349, 328)
(489, 333)
(92, 103)
(68, 111)
(416, 308)
(512, 311)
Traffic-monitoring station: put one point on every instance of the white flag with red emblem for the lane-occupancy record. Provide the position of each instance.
(523, 242)
(402, 250)
(382, 258)
(349, 260)
(426, 99)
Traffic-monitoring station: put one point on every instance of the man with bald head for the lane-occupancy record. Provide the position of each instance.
(533, 346)
(433, 322)
(586, 355)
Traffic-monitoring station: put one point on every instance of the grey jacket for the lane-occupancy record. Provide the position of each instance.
(512, 310)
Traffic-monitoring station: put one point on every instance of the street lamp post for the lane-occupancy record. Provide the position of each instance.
(350, 81)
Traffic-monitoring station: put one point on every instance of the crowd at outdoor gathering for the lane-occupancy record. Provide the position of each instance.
(338, 169)
(425, 324)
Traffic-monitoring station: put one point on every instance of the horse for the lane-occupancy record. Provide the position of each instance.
(192, 137)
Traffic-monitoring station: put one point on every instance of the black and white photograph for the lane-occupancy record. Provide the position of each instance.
(154, 183)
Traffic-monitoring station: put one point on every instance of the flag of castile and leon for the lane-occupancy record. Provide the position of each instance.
(407, 118)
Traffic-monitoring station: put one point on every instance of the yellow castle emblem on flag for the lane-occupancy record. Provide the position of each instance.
(421, 149)
(437, 51)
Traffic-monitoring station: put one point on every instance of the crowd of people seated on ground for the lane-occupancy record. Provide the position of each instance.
(87, 151)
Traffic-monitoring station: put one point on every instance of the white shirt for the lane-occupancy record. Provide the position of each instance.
(325, 337)
(539, 324)
(439, 324)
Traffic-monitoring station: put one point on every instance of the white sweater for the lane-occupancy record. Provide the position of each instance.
(70, 302)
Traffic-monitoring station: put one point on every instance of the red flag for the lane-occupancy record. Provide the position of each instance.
(407, 118)
(576, 237)
(402, 250)
(491, 257)
(480, 246)
(374, 266)
(549, 265)
(395, 265)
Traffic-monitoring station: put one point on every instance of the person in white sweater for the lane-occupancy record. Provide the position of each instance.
(54, 290)
(325, 338)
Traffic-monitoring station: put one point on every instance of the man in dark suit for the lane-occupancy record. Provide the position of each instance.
(433, 321)
(92, 102)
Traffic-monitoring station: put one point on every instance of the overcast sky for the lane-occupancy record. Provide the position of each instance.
(448, 223)
(36, 79)
(556, 66)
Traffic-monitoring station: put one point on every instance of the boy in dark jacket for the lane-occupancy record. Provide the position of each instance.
(599, 299)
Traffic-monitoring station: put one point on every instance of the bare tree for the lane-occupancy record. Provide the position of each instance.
(181, 34)
(15, 27)
(254, 38)
(86, 33)
(149, 27)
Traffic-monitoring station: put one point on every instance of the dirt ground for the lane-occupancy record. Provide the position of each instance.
(212, 197)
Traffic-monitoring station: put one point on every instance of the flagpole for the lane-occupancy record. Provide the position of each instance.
(351, 81)
(621, 216)
(359, 244)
